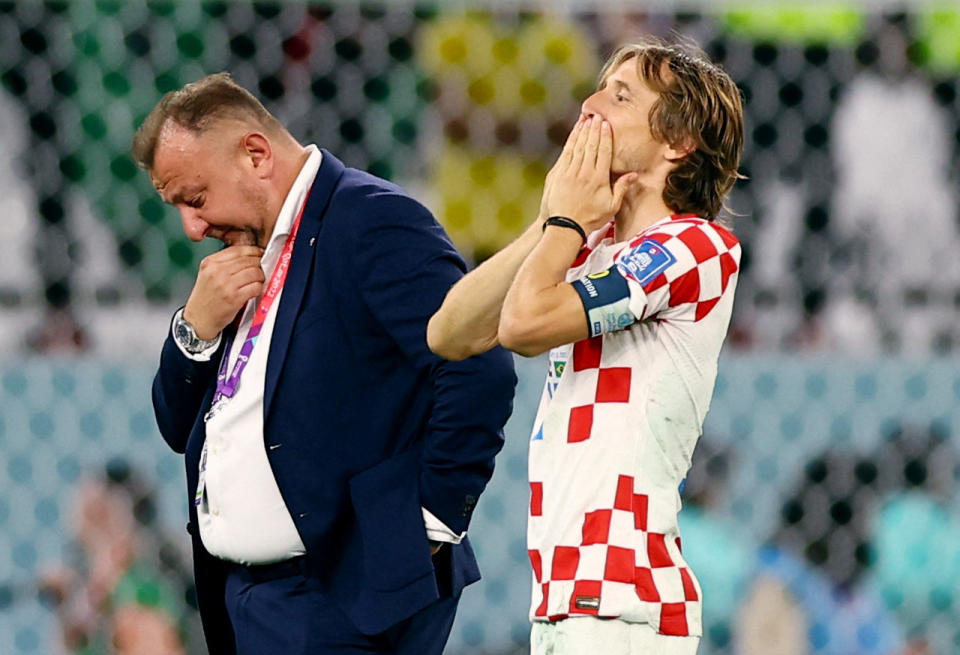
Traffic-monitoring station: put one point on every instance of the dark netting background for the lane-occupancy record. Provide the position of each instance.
(470, 108)
(821, 514)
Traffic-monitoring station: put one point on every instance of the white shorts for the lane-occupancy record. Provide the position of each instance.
(587, 635)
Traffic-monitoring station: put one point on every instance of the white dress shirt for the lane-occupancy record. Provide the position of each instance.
(242, 516)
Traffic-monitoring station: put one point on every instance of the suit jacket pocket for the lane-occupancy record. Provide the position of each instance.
(386, 500)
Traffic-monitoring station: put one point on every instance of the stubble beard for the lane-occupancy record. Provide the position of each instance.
(260, 235)
(246, 236)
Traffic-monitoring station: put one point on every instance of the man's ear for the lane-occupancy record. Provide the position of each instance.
(678, 151)
(256, 148)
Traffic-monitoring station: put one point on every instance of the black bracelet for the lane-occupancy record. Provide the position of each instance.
(563, 221)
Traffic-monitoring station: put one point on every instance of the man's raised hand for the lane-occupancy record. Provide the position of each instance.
(578, 186)
(225, 282)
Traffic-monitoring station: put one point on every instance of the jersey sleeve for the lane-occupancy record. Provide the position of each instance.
(679, 272)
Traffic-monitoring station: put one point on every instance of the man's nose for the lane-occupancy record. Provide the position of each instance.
(590, 108)
(193, 226)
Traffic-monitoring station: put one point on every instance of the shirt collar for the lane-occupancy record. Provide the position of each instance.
(297, 194)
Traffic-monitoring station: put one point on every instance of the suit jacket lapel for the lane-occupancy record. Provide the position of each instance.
(301, 262)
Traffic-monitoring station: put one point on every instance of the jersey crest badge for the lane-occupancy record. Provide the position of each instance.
(645, 261)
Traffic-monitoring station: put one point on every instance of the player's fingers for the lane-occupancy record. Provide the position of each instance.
(605, 148)
(567, 154)
(620, 188)
(579, 147)
(592, 142)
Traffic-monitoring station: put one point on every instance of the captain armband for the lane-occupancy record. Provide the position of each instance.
(606, 299)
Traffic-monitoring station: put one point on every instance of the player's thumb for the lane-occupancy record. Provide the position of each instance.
(620, 188)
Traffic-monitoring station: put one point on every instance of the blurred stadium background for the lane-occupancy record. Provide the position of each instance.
(822, 511)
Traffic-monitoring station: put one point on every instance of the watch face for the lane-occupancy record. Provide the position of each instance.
(183, 333)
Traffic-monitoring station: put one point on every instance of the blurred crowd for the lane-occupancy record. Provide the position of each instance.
(127, 587)
(848, 213)
(863, 561)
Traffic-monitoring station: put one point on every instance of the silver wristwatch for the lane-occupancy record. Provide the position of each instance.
(187, 337)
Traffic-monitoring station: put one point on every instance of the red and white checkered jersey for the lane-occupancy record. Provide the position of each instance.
(618, 420)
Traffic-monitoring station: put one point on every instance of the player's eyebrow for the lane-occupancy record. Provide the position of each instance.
(619, 85)
(622, 86)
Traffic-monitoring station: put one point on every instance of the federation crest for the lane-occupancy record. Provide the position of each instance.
(645, 261)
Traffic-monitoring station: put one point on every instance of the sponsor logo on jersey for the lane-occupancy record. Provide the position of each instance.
(645, 261)
(601, 274)
(588, 285)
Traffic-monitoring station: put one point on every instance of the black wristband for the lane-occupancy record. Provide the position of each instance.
(563, 221)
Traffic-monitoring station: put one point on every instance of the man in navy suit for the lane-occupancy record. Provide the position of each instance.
(333, 462)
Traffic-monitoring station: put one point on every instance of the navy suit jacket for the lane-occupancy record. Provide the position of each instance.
(363, 425)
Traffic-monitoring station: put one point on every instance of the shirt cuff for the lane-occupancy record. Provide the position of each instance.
(437, 531)
(203, 355)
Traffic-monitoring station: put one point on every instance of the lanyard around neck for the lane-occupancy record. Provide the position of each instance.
(227, 385)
